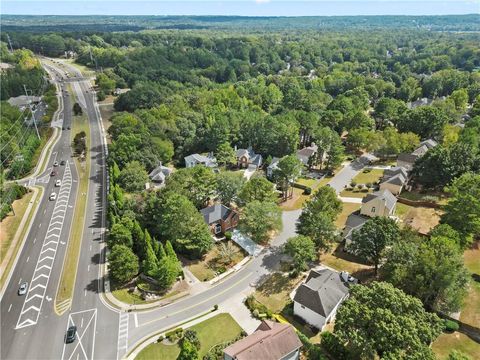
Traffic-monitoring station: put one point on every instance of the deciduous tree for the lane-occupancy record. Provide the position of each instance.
(259, 219)
(122, 264)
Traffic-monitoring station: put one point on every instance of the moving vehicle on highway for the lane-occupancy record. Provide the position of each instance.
(71, 334)
(58, 183)
(53, 196)
(55, 163)
(62, 163)
(22, 290)
(53, 173)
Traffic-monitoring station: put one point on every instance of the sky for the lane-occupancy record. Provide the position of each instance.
(242, 8)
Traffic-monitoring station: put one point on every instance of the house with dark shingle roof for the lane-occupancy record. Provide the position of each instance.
(220, 218)
(271, 341)
(317, 299)
(408, 160)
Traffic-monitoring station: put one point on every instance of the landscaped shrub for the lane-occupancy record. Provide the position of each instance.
(307, 191)
(430, 198)
(228, 235)
(369, 185)
(192, 336)
(451, 326)
(216, 352)
(257, 309)
(174, 335)
(353, 184)
(160, 338)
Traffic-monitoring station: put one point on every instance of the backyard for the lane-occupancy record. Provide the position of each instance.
(216, 330)
(224, 255)
(422, 219)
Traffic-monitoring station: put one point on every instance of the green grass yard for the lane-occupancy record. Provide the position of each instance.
(218, 329)
(446, 343)
(368, 176)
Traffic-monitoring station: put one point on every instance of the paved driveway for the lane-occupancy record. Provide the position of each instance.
(349, 171)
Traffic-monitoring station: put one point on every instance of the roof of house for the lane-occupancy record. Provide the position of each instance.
(385, 195)
(354, 222)
(274, 163)
(215, 213)
(23, 100)
(430, 143)
(421, 150)
(408, 158)
(308, 151)
(395, 171)
(322, 291)
(398, 179)
(271, 341)
(207, 160)
(160, 173)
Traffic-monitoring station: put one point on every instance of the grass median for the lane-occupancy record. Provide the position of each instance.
(70, 264)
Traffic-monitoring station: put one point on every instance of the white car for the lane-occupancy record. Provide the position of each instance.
(53, 196)
(55, 163)
(58, 183)
(22, 290)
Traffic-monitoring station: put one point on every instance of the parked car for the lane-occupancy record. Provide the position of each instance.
(53, 196)
(58, 183)
(71, 334)
(22, 290)
(62, 162)
(53, 173)
(55, 163)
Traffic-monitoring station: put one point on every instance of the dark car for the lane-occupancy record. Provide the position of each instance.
(68, 127)
(53, 173)
(62, 163)
(71, 334)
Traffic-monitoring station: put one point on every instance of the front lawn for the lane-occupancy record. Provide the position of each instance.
(275, 290)
(299, 198)
(446, 343)
(218, 329)
(368, 176)
(355, 193)
(215, 262)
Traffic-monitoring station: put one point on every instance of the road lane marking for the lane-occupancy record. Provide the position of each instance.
(10, 308)
(199, 303)
(41, 275)
(28, 258)
(88, 267)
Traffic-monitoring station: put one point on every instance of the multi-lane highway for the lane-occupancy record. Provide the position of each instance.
(30, 326)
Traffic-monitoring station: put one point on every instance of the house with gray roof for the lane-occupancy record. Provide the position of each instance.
(248, 158)
(379, 203)
(354, 222)
(317, 299)
(408, 160)
(159, 175)
(197, 159)
(272, 167)
(307, 153)
(220, 218)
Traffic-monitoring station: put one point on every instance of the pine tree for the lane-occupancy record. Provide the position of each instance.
(150, 263)
(138, 241)
(169, 250)
(161, 252)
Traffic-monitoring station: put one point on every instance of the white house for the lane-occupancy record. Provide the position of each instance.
(197, 159)
(272, 167)
(317, 299)
(159, 175)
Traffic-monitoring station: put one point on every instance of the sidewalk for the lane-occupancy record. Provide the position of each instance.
(353, 200)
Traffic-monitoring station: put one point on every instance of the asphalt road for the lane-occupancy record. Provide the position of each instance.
(30, 328)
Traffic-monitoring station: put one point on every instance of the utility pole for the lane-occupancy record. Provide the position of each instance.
(31, 111)
(10, 43)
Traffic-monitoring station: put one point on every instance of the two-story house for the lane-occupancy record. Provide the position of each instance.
(220, 218)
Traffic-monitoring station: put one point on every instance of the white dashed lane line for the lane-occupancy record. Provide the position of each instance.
(38, 285)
